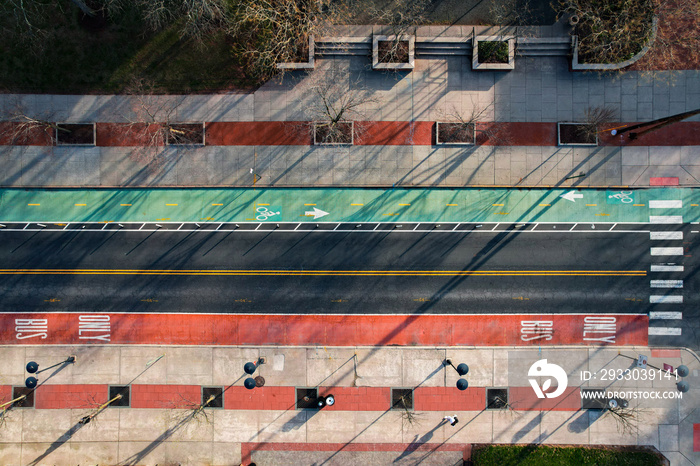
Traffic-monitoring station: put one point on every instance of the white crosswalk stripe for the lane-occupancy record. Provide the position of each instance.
(665, 235)
(663, 299)
(665, 331)
(666, 219)
(666, 315)
(667, 251)
(666, 268)
(666, 283)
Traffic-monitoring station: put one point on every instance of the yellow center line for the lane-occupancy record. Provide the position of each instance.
(591, 205)
(390, 214)
(356, 204)
(217, 204)
(171, 204)
(125, 205)
(545, 205)
(309, 204)
(404, 204)
(497, 205)
(33, 204)
(694, 205)
(451, 205)
(437, 273)
(638, 205)
(81, 205)
(262, 204)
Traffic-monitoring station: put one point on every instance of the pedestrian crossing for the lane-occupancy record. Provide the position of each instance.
(666, 293)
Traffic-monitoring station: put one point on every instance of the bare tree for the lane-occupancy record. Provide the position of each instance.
(616, 30)
(199, 17)
(409, 418)
(594, 118)
(401, 18)
(335, 102)
(151, 125)
(626, 419)
(475, 125)
(22, 127)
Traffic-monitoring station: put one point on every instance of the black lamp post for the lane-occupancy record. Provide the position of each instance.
(462, 369)
(250, 368)
(33, 368)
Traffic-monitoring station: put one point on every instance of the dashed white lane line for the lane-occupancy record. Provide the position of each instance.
(665, 204)
(663, 299)
(666, 283)
(665, 219)
(666, 315)
(665, 235)
(665, 331)
(667, 251)
(666, 268)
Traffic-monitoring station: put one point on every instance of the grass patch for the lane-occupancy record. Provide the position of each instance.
(539, 455)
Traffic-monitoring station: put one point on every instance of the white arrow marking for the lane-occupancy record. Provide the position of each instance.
(571, 196)
(317, 213)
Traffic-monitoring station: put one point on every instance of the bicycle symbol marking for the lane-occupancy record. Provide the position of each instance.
(623, 196)
(264, 214)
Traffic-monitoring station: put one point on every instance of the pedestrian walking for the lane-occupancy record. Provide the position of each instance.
(451, 419)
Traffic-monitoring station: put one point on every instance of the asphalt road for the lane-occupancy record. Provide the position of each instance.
(321, 272)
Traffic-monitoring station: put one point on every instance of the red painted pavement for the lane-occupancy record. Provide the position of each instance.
(449, 399)
(323, 330)
(80, 396)
(276, 398)
(165, 396)
(664, 181)
(394, 133)
(247, 448)
(524, 399)
(683, 133)
(269, 398)
(358, 398)
(665, 353)
(696, 437)
(294, 133)
(258, 133)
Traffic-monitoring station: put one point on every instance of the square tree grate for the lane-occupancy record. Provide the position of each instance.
(217, 392)
(122, 390)
(401, 398)
(306, 398)
(496, 398)
(28, 402)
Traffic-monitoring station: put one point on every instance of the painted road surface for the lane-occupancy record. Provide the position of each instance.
(340, 205)
(598, 250)
(340, 330)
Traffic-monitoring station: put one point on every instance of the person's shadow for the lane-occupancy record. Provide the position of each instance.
(417, 442)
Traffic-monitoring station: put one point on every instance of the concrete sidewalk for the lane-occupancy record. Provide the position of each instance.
(263, 426)
(540, 89)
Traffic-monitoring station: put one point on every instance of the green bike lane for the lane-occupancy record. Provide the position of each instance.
(342, 205)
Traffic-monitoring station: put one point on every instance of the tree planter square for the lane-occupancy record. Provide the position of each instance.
(454, 133)
(75, 134)
(304, 64)
(186, 134)
(490, 53)
(576, 134)
(393, 52)
(341, 133)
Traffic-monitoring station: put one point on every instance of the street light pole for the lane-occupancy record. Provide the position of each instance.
(660, 123)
